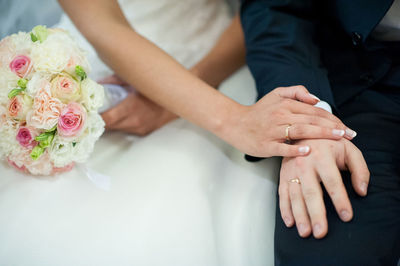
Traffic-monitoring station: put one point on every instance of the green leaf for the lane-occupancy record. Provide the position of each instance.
(40, 33)
(37, 152)
(22, 83)
(33, 37)
(14, 93)
(80, 72)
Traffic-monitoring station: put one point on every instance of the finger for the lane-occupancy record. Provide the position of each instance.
(360, 175)
(299, 210)
(304, 131)
(333, 183)
(116, 114)
(284, 199)
(133, 125)
(322, 122)
(313, 197)
(287, 150)
(302, 108)
(109, 79)
(299, 93)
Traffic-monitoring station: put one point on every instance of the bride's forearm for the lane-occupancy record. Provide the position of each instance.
(227, 56)
(146, 67)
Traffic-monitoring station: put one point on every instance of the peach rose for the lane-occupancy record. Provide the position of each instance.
(65, 88)
(46, 110)
(19, 106)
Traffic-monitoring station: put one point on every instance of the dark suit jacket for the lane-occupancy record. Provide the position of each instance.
(323, 45)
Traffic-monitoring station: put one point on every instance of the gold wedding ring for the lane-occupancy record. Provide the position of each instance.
(295, 180)
(287, 133)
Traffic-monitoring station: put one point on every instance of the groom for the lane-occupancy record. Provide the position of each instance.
(348, 54)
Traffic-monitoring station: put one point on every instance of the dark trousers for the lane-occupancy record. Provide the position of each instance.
(373, 236)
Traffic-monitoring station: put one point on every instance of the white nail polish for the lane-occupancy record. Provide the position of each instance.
(315, 97)
(351, 133)
(304, 149)
(317, 228)
(364, 187)
(302, 229)
(338, 132)
(345, 215)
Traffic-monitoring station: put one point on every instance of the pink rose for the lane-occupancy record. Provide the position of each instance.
(21, 160)
(26, 137)
(67, 168)
(65, 88)
(46, 110)
(72, 120)
(21, 65)
(19, 106)
(20, 168)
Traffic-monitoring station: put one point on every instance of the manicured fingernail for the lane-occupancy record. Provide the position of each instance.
(350, 133)
(364, 187)
(302, 229)
(345, 215)
(338, 132)
(288, 221)
(315, 97)
(317, 229)
(304, 149)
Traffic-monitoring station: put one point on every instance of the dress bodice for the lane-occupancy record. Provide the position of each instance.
(185, 29)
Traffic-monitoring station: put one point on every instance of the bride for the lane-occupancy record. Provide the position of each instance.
(180, 196)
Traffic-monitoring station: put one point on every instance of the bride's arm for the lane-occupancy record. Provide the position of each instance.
(139, 116)
(142, 64)
(227, 56)
(257, 130)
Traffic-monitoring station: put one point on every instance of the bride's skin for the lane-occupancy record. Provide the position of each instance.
(139, 115)
(258, 130)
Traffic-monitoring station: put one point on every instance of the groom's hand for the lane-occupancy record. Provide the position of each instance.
(301, 202)
(137, 115)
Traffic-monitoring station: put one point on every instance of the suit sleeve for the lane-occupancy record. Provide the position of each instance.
(280, 47)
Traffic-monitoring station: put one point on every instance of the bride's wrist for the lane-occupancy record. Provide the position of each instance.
(224, 121)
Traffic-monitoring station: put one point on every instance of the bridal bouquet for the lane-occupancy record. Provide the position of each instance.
(48, 106)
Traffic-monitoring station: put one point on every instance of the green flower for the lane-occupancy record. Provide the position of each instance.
(80, 72)
(39, 33)
(22, 83)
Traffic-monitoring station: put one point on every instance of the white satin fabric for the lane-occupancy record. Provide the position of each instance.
(179, 196)
(186, 30)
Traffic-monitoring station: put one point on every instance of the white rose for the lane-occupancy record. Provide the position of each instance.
(8, 133)
(61, 152)
(7, 52)
(8, 82)
(52, 55)
(94, 129)
(22, 42)
(92, 94)
(39, 80)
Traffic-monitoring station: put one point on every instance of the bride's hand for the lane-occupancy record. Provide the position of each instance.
(260, 129)
(137, 115)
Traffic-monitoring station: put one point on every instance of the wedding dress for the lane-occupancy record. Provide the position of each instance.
(178, 197)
